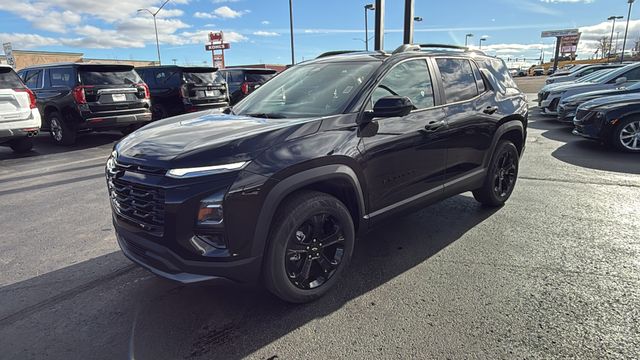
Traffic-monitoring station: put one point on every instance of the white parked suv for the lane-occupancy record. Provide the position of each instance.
(19, 115)
(583, 71)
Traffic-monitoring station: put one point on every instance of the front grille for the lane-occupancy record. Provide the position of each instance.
(544, 96)
(562, 112)
(554, 104)
(138, 204)
(582, 115)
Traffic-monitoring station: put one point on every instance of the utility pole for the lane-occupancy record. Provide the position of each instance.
(626, 31)
(408, 22)
(379, 32)
(293, 56)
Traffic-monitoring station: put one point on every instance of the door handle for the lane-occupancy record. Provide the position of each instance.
(433, 125)
(490, 110)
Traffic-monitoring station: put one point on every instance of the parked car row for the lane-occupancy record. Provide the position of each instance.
(76, 98)
(603, 105)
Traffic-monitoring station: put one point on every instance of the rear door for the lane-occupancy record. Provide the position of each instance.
(14, 100)
(471, 112)
(111, 88)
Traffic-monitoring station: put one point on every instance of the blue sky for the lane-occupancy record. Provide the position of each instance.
(259, 30)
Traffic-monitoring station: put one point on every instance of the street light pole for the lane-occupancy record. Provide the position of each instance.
(293, 57)
(614, 18)
(466, 39)
(155, 25)
(624, 42)
(366, 25)
(481, 40)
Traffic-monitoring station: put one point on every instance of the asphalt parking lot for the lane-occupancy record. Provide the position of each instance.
(553, 274)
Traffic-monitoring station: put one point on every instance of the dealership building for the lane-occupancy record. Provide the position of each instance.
(24, 58)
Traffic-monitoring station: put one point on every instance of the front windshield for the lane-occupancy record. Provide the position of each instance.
(317, 89)
(595, 76)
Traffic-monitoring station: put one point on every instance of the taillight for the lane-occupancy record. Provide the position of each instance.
(244, 88)
(32, 97)
(78, 95)
(147, 94)
(184, 92)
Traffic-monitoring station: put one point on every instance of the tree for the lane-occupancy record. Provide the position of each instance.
(603, 46)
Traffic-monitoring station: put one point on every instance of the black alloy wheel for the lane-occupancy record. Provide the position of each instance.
(310, 245)
(501, 175)
(314, 252)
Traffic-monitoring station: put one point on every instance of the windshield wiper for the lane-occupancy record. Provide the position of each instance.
(267, 115)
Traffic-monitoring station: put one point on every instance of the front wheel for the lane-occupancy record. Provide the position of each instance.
(310, 245)
(501, 176)
(626, 136)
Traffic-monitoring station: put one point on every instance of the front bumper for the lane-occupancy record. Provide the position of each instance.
(165, 263)
(566, 113)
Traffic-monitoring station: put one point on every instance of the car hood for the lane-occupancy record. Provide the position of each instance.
(208, 138)
(612, 102)
(582, 97)
(569, 86)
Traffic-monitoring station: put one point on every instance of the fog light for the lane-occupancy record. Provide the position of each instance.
(210, 211)
(208, 244)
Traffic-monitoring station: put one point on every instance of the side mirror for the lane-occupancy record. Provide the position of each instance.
(621, 80)
(389, 106)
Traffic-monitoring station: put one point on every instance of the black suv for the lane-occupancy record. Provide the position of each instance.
(177, 90)
(79, 97)
(278, 187)
(243, 81)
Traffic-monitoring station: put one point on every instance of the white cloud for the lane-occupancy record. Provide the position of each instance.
(203, 15)
(265, 22)
(223, 1)
(27, 41)
(265, 33)
(226, 12)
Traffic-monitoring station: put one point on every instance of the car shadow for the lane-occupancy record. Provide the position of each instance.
(145, 317)
(44, 145)
(582, 152)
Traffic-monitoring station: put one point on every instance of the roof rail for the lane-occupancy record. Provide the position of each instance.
(337, 52)
(443, 46)
(406, 47)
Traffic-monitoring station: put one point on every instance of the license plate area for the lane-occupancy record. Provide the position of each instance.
(211, 93)
(118, 97)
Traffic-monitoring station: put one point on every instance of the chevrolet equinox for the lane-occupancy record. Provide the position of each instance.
(276, 188)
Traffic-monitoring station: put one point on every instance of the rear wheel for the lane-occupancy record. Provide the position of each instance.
(626, 136)
(501, 176)
(310, 245)
(22, 145)
(61, 132)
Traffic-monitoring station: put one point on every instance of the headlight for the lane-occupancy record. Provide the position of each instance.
(111, 162)
(205, 170)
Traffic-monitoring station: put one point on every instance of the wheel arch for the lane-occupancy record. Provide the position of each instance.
(338, 180)
(512, 128)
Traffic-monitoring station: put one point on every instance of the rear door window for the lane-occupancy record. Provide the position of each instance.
(61, 77)
(33, 79)
(108, 76)
(9, 79)
(458, 79)
(479, 80)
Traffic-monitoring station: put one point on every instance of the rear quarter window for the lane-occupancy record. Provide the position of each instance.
(61, 77)
(9, 79)
(499, 70)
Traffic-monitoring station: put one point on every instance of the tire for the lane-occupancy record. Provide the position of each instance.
(22, 145)
(626, 136)
(501, 176)
(295, 240)
(60, 131)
